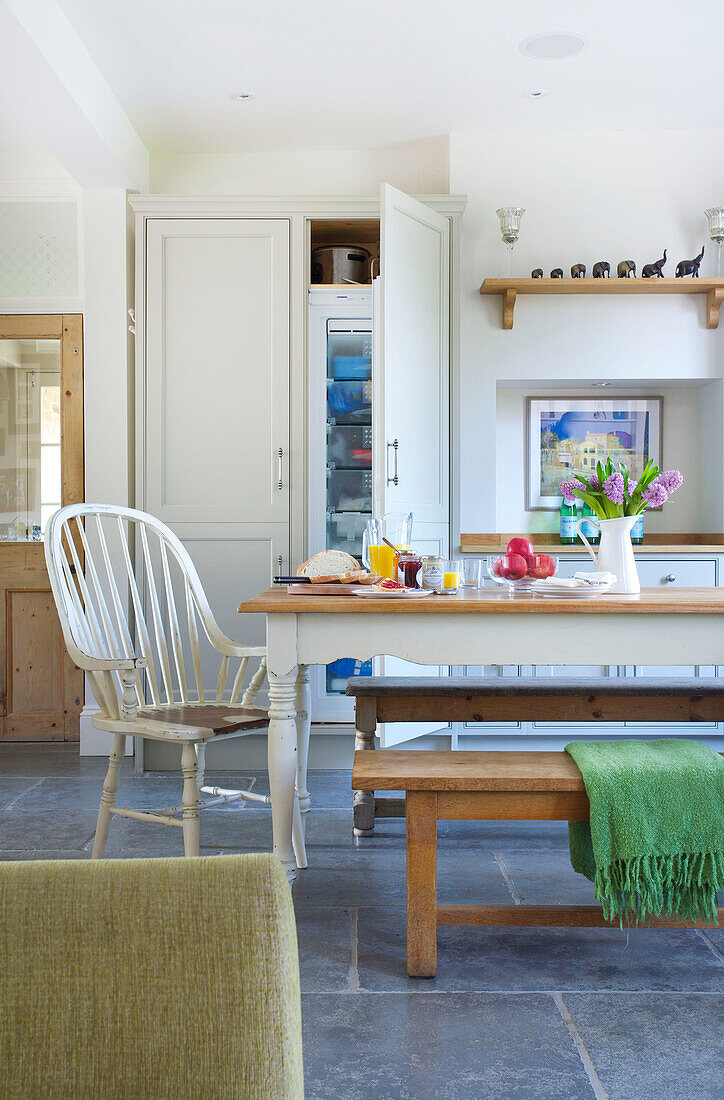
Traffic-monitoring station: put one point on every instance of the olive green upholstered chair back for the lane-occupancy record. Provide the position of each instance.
(149, 979)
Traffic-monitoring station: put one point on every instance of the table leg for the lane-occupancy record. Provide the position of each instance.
(282, 763)
(421, 884)
(304, 722)
(365, 722)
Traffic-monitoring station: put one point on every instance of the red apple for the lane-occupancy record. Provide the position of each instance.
(521, 546)
(495, 568)
(541, 566)
(513, 567)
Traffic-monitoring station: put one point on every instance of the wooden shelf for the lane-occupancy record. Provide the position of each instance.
(509, 289)
(496, 542)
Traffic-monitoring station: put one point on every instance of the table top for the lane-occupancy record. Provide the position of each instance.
(496, 601)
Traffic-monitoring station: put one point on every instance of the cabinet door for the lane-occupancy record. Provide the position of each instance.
(217, 370)
(411, 378)
(412, 366)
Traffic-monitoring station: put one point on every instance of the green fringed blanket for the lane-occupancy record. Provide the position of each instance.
(655, 842)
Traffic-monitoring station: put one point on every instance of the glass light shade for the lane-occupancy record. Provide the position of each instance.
(510, 222)
(716, 223)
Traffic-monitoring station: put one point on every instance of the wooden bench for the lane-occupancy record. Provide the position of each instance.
(484, 699)
(518, 786)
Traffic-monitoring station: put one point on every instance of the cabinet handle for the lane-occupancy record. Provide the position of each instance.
(280, 456)
(670, 578)
(395, 445)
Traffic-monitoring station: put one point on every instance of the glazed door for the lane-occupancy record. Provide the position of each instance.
(41, 466)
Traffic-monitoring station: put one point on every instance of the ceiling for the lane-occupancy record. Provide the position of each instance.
(332, 74)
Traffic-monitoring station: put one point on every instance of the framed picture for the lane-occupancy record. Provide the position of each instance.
(569, 435)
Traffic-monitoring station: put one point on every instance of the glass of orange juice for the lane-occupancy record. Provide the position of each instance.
(451, 577)
(383, 560)
(396, 528)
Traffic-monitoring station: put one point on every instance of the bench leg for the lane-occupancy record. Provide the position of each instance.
(363, 813)
(421, 884)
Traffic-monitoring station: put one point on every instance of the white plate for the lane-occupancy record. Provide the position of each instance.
(391, 593)
(572, 593)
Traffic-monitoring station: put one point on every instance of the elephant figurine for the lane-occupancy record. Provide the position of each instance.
(602, 270)
(537, 273)
(557, 273)
(654, 271)
(626, 269)
(690, 267)
(578, 271)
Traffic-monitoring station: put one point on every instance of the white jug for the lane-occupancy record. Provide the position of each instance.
(615, 553)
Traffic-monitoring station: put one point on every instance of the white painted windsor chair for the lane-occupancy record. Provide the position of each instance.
(140, 644)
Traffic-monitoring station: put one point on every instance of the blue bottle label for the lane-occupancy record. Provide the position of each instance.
(568, 527)
(590, 530)
(637, 531)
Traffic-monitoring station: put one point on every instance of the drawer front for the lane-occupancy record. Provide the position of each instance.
(684, 573)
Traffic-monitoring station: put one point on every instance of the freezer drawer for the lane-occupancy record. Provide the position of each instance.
(349, 447)
(345, 530)
(350, 401)
(347, 368)
(349, 490)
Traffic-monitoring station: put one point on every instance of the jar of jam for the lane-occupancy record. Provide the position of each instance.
(410, 565)
(432, 574)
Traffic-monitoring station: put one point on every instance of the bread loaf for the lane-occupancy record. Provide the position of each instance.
(328, 565)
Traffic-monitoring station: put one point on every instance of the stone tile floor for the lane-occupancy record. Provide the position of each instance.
(514, 1014)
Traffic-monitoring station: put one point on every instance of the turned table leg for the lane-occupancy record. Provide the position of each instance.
(363, 813)
(282, 758)
(421, 884)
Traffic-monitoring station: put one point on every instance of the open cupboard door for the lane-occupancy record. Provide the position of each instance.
(411, 380)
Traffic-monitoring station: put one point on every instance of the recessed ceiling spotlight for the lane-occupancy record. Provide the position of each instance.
(600, 383)
(538, 93)
(552, 47)
(243, 97)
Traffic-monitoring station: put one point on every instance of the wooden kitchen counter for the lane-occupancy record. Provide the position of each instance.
(546, 543)
(684, 601)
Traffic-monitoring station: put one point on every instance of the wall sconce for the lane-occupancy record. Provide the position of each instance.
(510, 228)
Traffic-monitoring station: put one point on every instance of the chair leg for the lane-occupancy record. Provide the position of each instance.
(190, 800)
(298, 839)
(200, 764)
(108, 798)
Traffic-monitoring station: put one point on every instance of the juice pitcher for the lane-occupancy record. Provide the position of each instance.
(380, 558)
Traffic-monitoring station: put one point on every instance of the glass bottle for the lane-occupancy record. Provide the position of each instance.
(568, 521)
(591, 530)
(637, 531)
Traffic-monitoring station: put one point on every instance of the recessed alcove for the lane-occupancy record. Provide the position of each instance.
(693, 431)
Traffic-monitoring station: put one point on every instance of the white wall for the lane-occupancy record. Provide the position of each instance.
(417, 166)
(587, 197)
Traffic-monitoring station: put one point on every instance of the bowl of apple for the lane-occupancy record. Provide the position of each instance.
(519, 566)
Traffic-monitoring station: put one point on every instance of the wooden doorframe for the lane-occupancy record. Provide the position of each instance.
(25, 571)
(68, 328)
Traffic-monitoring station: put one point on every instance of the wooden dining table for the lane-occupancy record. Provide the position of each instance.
(683, 626)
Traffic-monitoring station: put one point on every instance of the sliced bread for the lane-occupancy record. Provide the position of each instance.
(329, 563)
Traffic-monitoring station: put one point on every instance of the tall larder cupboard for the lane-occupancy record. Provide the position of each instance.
(223, 378)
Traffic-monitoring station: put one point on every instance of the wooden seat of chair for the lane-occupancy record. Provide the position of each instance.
(214, 717)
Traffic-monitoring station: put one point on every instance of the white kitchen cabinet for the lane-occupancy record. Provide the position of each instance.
(682, 570)
(412, 364)
(222, 383)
